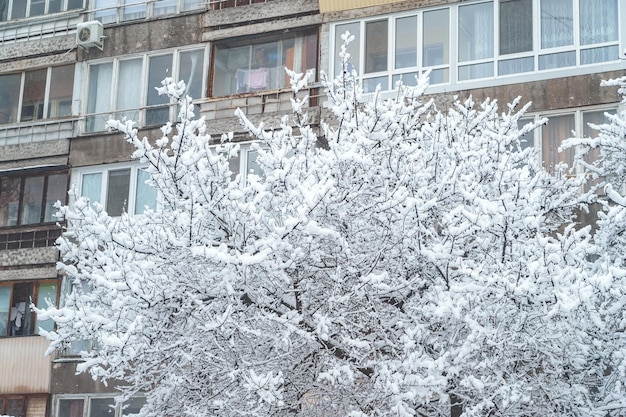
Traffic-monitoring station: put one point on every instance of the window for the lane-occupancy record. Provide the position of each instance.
(258, 63)
(119, 188)
(16, 318)
(38, 94)
(562, 126)
(245, 163)
(111, 11)
(29, 199)
(17, 9)
(110, 83)
(96, 406)
(482, 40)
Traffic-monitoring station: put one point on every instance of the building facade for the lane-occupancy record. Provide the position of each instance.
(67, 66)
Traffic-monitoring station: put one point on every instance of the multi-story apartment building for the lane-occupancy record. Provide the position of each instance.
(58, 86)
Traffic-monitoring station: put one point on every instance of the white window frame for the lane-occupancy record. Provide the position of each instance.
(113, 109)
(117, 10)
(453, 76)
(87, 398)
(79, 173)
(241, 160)
(536, 136)
(64, 4)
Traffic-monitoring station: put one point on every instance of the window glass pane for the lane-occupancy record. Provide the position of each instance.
(101, 407)
(162, 7)
(74, 4)
(562, 59)
(245, 66)
(252, 167)
(99, 97)
(31, 203)
(54, 6)
(406, 42)
(516, 66)
(192, 4)
(106, 11)
(475, 32)
(469, 72)
(159, 68)
(57, 191)
(71, 408)
(117, 191)
(37, 7)
(134, 9)
(370, 84)
(596, 118)
(408, 79)
(20, 316)
(61, 87)
(33, 96)
(146, 195)
(92, 187)
(9, 201)
(15, 407)
(133, 406)
(516, 26)
(527, 140)
(353, 48)
(376, 46)
(557, 23)
(191, 64)
(598, 21)
(436, 38)
(5, 300)
(129, 78)
(47, 292)
(9, 97)
(19, 9)
(4, 12)
(558, 129)
(595, 55)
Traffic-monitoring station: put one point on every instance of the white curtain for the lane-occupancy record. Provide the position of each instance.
(129, 89)
(598, 21)
(557, 23)
(99, 99)
(476, 32)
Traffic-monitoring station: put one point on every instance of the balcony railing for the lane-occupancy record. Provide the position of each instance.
(38, 132)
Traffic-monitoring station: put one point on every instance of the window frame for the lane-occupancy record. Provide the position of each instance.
(494, 63)
(46, 105)
(33, 320)
(536, 137)
(23, 176)
(146, 9)
(78, 175)
(92, 119)
(87, 403)
(253, 42)
(27, 14)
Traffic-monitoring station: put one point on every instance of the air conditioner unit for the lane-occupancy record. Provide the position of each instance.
(89, 34)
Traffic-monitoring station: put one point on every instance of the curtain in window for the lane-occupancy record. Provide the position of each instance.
(159, 67)
(557, 23)
(32, 200)
(598, 21)
(134, 9)
(516, 26)
(57, 191)
(70, 408)
(128, 82)
(99, 98)
(61, 87)
(191, 64)
(91, 187)
(476, 32)
(193, 4)
(558, 129)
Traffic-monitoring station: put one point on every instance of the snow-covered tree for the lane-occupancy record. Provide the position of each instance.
(398, 261)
